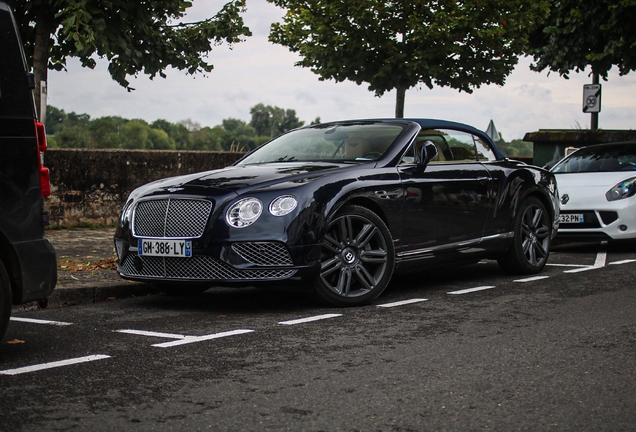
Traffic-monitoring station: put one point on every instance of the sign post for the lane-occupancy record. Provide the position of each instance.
(592, 101)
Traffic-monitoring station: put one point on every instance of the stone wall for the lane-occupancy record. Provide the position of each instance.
(89, 186)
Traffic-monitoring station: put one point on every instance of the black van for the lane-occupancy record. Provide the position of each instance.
(27, 260)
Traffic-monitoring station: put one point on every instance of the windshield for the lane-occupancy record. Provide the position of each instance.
(346, 142)
(599, 159)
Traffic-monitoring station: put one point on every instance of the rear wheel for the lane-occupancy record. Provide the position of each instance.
(532, 237)
(5, 300)
(357, 258)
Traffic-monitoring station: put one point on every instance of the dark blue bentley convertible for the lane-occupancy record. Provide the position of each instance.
(339, 207)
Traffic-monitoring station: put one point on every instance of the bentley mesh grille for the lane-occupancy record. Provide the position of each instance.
(196, 268)
(263, 253)
(179, 218)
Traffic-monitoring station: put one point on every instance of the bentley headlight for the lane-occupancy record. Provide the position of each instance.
(244, 212)
(283, 205)
(125, 213)
(624, 189)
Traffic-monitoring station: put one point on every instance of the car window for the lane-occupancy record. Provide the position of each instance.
(346, 142)
(452, 146)
(599, 159)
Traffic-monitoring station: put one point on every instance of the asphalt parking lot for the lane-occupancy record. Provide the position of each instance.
(466, 349)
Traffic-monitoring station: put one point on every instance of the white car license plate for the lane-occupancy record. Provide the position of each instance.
(165, 248)
(571, 218)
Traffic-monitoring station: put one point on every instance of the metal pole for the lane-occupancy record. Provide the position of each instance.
(594, 120)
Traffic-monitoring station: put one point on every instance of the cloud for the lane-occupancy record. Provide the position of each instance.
(257, 71)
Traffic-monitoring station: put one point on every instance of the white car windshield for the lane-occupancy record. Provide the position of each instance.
(599, 159)
(345, 142)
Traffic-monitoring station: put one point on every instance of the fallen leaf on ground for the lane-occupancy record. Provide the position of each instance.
(15, 342)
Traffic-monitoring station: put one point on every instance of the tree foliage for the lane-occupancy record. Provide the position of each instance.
(272, 121)
(135, 36)
(582, 33)
(71, 130)
(398, 44)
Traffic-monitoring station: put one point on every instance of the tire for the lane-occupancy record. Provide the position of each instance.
(357, 258)
(5, 300)
(532, 239)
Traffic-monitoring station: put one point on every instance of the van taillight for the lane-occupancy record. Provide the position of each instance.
(45, 177)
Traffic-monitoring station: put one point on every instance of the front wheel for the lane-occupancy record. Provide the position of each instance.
(532, 237)
(357, 258)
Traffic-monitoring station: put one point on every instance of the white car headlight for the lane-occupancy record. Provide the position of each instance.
(244, 212)
(283, 205)
(624, 189)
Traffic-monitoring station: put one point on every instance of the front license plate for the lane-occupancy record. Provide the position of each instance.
(571, 218)
(165, 248)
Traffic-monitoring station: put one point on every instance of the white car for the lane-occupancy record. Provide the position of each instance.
(597, 185)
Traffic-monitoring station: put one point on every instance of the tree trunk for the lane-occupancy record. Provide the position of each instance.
(44, 26)
(399, 102)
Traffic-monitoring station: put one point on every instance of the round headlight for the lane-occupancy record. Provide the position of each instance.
(244, 212)
(283, 205)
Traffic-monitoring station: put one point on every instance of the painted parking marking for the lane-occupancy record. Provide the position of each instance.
(194, 339)
(152, 334)
(40, 321)
(309, 319)
(402, 303)
(182, 339)
(531, 279)
(55, 364)
(567, 265)
(626, 261)
(469, 290)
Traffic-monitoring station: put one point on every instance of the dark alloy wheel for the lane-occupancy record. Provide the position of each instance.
(357, 258)
(531, 244)
(5, 300)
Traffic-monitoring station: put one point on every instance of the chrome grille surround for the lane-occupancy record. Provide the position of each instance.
(201, 268)
(264, 253)
(171, 218)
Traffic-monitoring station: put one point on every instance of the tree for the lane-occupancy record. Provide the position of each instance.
(398, 44)
(135, 36)
(582, 33)
(272, 121)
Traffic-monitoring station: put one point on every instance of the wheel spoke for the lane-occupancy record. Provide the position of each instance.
(329, 266)
(377, 256)
(365, 235)
(364, 277)
(538, 214)
(344, 282)
(332, 244)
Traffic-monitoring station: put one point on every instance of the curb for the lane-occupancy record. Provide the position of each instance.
(90, 293)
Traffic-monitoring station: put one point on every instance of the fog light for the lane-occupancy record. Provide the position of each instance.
(138, 263)
(622, 227)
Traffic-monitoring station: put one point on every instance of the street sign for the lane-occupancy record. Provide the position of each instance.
(591, 98)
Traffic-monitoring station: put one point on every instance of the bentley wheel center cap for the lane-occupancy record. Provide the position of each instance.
(348, 256)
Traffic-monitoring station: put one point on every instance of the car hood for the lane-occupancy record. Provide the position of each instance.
(587, 190)
(239, 179)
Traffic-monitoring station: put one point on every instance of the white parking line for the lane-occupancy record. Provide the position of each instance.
(309, 319)
(623, 262)
(52, 365)
(39, 321)
(152, 334)
(193, 339)
(401, 303)
(469, 290)
(182, 339)
(531, 279)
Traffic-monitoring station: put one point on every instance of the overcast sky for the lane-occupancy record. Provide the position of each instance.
(257, 71)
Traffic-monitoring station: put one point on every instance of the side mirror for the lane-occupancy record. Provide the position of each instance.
(427, 153)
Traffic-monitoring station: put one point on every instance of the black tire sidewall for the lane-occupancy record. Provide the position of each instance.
(5, 300)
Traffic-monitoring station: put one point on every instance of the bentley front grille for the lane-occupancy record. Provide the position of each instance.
(170, 217)
(202, 268)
